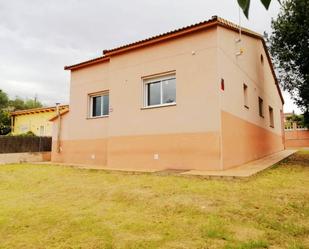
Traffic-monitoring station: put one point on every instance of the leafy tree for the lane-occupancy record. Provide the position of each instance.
(299, 119)
(289, 46)
(5, 122)
(20, 104)
(32, 103)
(4, 100)
(17, 104)
(4, 115)
(245, 5)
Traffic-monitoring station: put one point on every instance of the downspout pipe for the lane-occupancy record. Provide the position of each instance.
(58, 127)
(12, 123)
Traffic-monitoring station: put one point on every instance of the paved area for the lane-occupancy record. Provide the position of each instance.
(241, 171)
(245, 170)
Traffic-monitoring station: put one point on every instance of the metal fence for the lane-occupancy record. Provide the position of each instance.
(16, 144)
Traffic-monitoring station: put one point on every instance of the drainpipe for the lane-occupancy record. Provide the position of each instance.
(12, 124)
(58, 127)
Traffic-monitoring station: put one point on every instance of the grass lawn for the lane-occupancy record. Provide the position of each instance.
(62, 207)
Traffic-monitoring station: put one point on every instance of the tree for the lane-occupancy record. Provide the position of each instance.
(32, 103)
(245, 5)
(4, 100)
(4, 116)
(5, 122)
(289, 46)
(20, 104)
(298, 119)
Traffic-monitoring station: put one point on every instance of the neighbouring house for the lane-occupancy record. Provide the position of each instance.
(199, 97)
(35, 120)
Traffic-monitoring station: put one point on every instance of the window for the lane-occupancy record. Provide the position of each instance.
(271, 117)
(245, 89)
(160, 90)
(261, 113)
(222, 84)
(99, 105)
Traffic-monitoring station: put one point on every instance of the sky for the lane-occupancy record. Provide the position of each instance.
(39, 37)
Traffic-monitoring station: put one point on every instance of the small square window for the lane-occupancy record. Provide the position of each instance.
(99, 105)
(261, 111)
(160, 90)
(271, 117)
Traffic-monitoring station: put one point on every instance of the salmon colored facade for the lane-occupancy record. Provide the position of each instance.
(207, 127)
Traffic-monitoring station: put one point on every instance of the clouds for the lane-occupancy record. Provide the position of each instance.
(38, 38)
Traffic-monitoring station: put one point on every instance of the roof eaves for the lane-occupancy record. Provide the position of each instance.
(272, 70)
(87, 63)
(37, 110)
(162, 37)
(63, 112)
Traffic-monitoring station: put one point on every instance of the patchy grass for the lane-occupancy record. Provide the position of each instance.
(61, 207)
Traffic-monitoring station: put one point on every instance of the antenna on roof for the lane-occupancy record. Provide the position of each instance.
(239, 24)
(241, 50)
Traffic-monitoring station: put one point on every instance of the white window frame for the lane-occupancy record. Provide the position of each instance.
(149, 80)
(90, 110)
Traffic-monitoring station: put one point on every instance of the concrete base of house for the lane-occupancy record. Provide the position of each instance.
(27, 157)
(247, 169)
(242, 171)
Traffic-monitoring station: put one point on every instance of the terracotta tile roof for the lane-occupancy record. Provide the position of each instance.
(164, 36)
(88, 62)
(62, 112)
(214, 21)
(38, 110)
(181, 31)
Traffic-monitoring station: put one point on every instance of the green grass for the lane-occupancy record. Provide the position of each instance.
(62, 207)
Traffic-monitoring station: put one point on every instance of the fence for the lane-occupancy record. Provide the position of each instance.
(296, 135)
(289, 126)
(17, 144)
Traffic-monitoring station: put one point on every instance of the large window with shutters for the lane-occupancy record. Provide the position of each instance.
(99, 104)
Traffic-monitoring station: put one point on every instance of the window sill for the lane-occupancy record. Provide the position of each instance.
(157, 106)
(105, 116)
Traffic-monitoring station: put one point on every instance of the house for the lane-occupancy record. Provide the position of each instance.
(200, 97)
(35, 120)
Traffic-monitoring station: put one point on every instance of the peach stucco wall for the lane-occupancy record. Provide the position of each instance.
(246, 141)
(185, 135)
(175, 151)
(247, 69)
(189, 135)
(245, 135)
